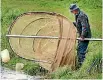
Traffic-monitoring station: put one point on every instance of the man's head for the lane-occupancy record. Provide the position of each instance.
(74, 9)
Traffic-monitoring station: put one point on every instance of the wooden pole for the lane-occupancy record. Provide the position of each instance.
(51, 37)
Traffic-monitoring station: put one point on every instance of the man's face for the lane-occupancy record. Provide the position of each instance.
(74, 11)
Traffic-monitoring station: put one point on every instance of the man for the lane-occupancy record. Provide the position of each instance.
(83, 28)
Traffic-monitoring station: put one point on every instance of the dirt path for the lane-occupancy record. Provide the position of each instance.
(7, 74)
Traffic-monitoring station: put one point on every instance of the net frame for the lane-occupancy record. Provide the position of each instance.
(50, 13)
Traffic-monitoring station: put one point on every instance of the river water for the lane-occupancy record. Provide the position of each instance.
(7, 74)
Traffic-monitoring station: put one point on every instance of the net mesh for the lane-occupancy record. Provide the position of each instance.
(57, 52)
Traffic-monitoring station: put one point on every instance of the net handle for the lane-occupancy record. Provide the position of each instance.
(51, 37)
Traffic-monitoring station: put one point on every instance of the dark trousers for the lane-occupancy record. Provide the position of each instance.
(81, 50)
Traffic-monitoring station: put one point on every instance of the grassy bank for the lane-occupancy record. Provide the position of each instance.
(11, 9)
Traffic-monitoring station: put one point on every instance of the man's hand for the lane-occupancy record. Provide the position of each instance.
(81, 38)
(74, 24)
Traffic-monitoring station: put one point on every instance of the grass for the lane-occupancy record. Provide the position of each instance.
(93, 8)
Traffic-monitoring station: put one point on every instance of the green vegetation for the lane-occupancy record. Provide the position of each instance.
(11, 9)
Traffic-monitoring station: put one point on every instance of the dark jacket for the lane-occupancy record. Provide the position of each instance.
(82, 25)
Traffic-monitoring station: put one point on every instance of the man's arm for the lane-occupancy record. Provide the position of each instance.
(84, 24)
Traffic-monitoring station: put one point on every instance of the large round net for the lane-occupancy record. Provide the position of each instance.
(56, 52)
